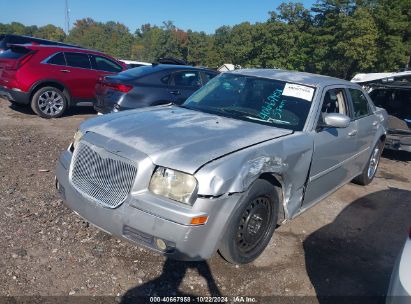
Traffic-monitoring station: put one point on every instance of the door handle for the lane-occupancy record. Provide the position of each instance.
(352, 133)
(375, 123)
(175, 92)
(65, 71)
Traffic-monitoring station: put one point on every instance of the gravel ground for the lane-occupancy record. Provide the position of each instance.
(346, 245)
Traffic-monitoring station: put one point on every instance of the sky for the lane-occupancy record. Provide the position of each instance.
(205, 15)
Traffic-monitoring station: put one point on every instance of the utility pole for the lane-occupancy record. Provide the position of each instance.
(67, 17)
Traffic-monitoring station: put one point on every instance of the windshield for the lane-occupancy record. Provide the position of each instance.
(259, 100)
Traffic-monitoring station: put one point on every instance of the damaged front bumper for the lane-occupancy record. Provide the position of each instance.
(143, 219)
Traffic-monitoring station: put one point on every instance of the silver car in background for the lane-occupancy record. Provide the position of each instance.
(248, 151)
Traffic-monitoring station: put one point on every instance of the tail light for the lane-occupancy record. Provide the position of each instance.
(21, 61)
(118, 86)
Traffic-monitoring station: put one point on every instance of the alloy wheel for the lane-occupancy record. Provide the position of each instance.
(51, 103)
(374, 160)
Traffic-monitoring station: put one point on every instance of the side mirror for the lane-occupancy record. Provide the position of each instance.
(335, 120)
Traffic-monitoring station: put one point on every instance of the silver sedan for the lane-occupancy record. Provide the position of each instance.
(249, 150)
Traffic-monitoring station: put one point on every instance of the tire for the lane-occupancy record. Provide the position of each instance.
(370, 169)
(49, 102)
(252, 224)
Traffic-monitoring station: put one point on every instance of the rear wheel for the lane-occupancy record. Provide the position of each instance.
(252, 224)
(49, 102)
(370, 169)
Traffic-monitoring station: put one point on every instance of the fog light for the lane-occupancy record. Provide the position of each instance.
(161, 244)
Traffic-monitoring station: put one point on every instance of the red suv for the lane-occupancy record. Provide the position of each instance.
(53, 78)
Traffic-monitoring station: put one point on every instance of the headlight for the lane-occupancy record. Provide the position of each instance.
(77, 138)
(176, 185)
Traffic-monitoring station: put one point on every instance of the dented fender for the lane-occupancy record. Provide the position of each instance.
(287, 158)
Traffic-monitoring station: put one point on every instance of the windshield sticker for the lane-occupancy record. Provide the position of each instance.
(298, 91)
(273, 107)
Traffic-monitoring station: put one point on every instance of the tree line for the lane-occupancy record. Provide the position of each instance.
(333, 37)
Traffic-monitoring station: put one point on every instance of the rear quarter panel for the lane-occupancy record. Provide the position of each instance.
(381, 117)
(148, 91)
(34, 70)
(146, 95)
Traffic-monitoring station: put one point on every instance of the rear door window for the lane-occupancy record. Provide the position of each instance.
(187, 79)
(360, 104)
(57, 59)
(104, 64)
(78, 60)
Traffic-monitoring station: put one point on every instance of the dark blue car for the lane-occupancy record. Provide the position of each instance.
(148, 86)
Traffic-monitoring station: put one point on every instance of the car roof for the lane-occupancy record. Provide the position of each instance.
(309, 79)
(134, 62)
(24, 36)
(28, 37)
(36, 39)
(162, 66)
(58, 48)
(369, 77)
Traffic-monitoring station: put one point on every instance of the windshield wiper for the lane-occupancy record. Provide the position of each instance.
(272, 120)
(182, 106)
(247, 115)
(235, 111)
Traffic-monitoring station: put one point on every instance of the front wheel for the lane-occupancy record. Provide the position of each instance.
(49, 102)
(370, 169)
(252, 225)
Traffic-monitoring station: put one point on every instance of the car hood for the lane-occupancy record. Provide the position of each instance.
(179, 138)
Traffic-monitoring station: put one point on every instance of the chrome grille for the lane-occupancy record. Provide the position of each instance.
(101, 175)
